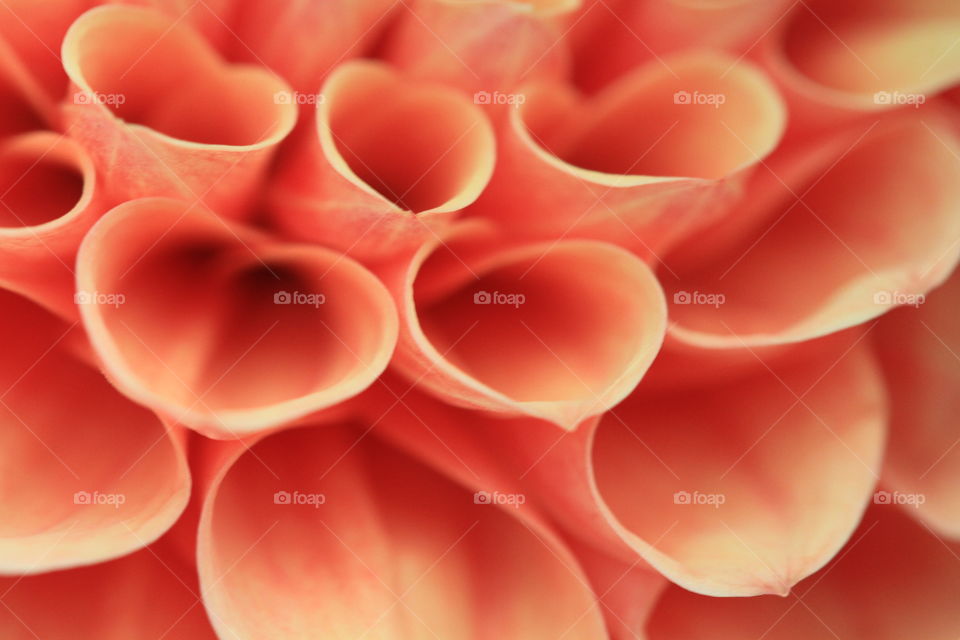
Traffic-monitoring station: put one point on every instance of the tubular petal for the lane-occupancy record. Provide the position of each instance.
(187, 312)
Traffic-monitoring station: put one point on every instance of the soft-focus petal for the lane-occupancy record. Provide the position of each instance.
(329, 533)
(49, 200)
(150, 594)
(163, 115)
(894, 580)
(630, 165)
(223, 329)
(378, 176)
(826, 237)
(560, 331)
(920, 350)
(87, 474)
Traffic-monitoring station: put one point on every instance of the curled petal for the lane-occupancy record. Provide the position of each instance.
(50, 200)
(609, 38)
(355, 539)
(149, 594)
(844, 60)
(893, 580)
(187, 312)
(163, 115)
(380, 176)
(581, 321)
(88, 475)
(919, 348)
(741, 487)
(829, 237)
(629, 165)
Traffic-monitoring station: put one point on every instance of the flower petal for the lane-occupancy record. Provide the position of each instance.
(87, 474)
(326, 533)
(377, 176)
(629, 165)
(163, 115)
(201, 309)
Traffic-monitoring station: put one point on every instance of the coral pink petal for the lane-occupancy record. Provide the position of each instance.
(761, 479)
(793, 475)
(222, 329)
(836, 60)
(149, 594)
(48, 200)
(826, 239)
(560, 331)
(630, 165)
(88, 475)
(352, 538)
(163, 115)
(30, 36)
(380, 176)
(919, 349)
(609, 38)
(305, 41)
(894, 580)
(482, 46)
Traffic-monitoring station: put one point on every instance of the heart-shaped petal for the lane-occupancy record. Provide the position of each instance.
(220, 328)
(629, 165)
(560, 331)
(163, 115)
(381, 176)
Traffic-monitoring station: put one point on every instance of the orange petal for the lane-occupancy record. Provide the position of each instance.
(481, 46)
(330, 533)
(49, 200)
(836, 60)
(164, 116)
(827, 238)
(187, 312)
(610, 37)
(737, 488)
(87, 475)
(630, 165)
(305, 41)
(150, 594)
(894, 580)
(380, 175)
(560, 331)
(30, 36)
(919, 348)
